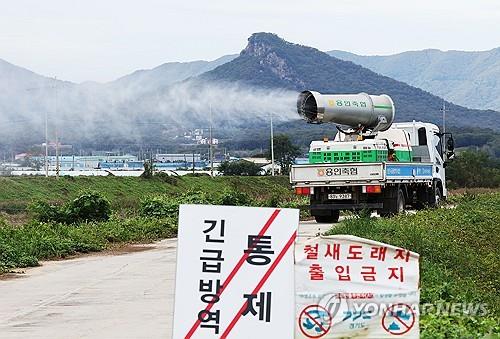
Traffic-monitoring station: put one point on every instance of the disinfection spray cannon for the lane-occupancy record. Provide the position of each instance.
(362, 112)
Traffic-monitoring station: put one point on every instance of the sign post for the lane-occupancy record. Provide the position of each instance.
(235, 272)
(348, 287)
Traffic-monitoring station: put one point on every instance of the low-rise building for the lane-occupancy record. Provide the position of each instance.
(178, 157)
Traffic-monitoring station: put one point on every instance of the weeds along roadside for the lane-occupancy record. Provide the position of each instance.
(459, 259)
(90, 222)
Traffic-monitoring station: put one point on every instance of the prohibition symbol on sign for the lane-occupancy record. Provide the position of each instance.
(398, 319)
(315, 321)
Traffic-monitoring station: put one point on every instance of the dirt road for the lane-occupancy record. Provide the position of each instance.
(100, 296)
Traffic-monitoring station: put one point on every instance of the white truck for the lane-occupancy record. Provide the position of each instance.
(375, 164)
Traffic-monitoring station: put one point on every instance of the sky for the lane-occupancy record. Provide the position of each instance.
(101, 40)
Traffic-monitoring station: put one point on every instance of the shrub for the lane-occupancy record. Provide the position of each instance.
(299, 203)
(197, 197)
(169, 179)
(148, 170)
(240, 167)
(272, 201)
(235, 198)
(167, 206)
(473, 168)
(161, 206)
(46, 212)
(89, 206)
(196, 175)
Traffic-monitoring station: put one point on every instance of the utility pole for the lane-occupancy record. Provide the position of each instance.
(272, 146)
(210, 149)
(46, 143)
(57, 140)
(57, 156)
(444, 116)
(46, 158)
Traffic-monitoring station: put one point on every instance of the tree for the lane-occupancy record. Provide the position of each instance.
(148, 170)
(30, 162)
(285, 152)
(240, 167)
(473, 168)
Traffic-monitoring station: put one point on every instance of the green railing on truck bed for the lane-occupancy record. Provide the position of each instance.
(356, 156)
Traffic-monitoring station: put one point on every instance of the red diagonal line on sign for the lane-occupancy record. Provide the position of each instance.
(317, 323)
(260, 284)
(233, 272)
(400, 320)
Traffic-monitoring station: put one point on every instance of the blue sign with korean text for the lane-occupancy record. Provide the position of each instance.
(408, 170)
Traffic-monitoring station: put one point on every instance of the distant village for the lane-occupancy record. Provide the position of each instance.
(60, 159)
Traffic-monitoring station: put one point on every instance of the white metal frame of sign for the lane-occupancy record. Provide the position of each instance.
(235, 272)
(353, 287)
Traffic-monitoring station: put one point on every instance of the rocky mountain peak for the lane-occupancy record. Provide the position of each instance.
(259, 44)
(269, 49)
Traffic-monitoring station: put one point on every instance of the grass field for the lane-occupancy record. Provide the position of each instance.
(16, 193)
(24, 240)
(459, 259)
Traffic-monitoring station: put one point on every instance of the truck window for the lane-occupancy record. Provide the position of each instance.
(422, 136)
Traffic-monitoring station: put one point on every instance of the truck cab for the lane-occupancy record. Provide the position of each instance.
(427, 145)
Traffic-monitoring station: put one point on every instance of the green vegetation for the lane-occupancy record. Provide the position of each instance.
(484, 139)
(459, 259)
(285, 152)
(88, 206)
(161, 206)
(240, 167)
(473, 168)
(17, 193)
(23, 246)
(114, 211)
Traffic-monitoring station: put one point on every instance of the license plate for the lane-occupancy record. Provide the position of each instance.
(340, 196)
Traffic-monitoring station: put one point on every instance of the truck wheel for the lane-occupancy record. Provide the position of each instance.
(394, 205)
(422, 199)
(328, 218)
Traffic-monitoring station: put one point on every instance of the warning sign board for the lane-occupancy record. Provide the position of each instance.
(235, 272)
(359, 287)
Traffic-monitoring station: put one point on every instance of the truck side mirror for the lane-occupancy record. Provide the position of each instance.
(450, 144)
(450, 147)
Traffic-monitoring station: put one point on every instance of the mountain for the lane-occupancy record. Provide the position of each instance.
(20, 89)
(143, 81)
(24, 92)
(24, 101)
(470, 79)
(88, 110)
(157, 106)
(269, 61)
